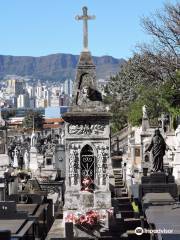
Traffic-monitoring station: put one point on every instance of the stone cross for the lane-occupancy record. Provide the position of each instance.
(85, 19)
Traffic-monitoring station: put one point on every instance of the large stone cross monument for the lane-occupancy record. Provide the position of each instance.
(87, 139)
(85, 19)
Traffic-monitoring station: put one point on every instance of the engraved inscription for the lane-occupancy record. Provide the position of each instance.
(85, 129)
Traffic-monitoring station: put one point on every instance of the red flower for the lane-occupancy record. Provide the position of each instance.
(71, 218)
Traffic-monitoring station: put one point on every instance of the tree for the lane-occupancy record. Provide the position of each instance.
(8, 113)
(170, 98)
(164, 98)
(127, 86)
(147, 96)
(146, 76)
(164, 29)
(33, 119)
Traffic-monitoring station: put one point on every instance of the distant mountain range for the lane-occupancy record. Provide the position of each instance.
(55, 67)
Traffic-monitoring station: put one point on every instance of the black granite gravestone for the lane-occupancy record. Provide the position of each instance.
(5, 234)
(158, 182)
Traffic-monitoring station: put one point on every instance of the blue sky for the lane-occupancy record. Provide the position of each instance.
(42, 27)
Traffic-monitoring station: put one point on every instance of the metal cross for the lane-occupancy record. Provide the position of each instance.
(85, 19)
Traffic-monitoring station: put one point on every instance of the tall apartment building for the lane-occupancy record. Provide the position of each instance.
(15, 87)
(68, 86)
(23, 101)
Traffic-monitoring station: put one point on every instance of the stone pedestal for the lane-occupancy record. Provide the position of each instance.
(15, 162)
(33, 164)
(145, 124)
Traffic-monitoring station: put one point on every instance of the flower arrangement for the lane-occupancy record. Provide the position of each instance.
(87, 184)
(90, 218)
(71, 218)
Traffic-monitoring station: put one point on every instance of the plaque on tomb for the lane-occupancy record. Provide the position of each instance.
(137, 152)
(86, 129)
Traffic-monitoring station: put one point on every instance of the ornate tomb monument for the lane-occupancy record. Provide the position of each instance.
(87, 138)
(33, 164)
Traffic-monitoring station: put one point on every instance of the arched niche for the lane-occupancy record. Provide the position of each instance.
(87, 163)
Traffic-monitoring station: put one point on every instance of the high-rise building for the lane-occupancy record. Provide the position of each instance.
(64, 100)
(39, 90)
(41, 103)
(15, 86)
(23, 101)
(46, 96)
(68, 86)
(55, 101)
(31, 90)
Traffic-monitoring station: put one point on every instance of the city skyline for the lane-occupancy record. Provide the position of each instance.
(39, 28)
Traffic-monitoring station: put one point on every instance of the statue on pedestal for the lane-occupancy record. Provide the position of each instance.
(158, 147)
(15, 160)
(33, 139)
(144, 110)
(26, 159)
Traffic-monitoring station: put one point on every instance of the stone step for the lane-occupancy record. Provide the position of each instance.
(117, 185)
(124, 207)
(126, 214)
(120, 187)
(117, 170)
(124, 190)
(119, 182)
(118, 192)
(123, 199)
(118, 174)
(105, 233)
(118, 177)
(124, 194)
